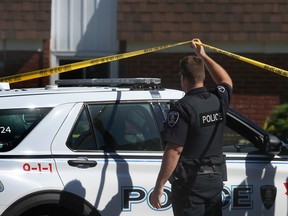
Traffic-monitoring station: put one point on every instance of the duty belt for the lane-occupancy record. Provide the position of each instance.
(204, 169)
(182, 174)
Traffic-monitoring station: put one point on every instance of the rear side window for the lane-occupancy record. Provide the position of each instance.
(16, 124)
(116, 127)
(125, 127)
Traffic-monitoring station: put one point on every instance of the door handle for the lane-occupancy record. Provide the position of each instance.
(82, 163)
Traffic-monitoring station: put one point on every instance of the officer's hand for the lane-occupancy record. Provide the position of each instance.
(155, 198)
(199, 49)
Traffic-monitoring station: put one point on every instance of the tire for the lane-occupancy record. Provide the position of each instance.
(51, 203)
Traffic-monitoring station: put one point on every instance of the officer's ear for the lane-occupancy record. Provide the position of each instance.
(186, 75)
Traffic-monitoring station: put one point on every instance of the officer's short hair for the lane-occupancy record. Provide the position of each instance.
(192, 67)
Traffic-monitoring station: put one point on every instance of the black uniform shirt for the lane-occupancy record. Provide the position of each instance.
(192, 120)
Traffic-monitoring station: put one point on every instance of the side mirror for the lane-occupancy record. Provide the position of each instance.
(285, 145)
(274, 145)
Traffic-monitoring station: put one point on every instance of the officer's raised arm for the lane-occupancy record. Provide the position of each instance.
(218, 73)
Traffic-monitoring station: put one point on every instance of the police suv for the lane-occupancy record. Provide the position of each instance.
(94, 147)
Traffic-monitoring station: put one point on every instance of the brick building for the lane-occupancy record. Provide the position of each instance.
(251, 28)
(24, 38)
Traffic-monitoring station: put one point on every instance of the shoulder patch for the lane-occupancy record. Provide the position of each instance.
(221, 89)
(173, 117)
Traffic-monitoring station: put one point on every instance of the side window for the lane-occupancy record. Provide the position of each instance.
(16, 124)
(81, 136)
(234, 142)
(125, 127)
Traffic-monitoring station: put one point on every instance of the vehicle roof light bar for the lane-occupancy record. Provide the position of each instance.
(111, 82)
(4, 86)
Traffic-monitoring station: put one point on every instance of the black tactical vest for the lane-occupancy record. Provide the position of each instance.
(206, 127)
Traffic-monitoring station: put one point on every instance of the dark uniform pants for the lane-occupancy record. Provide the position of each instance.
(199, 196)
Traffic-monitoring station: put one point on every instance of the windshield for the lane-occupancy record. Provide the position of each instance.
(16, 124)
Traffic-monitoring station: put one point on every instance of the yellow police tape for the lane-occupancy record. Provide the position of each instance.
(101, 60)
(82, 64)
(247, 60)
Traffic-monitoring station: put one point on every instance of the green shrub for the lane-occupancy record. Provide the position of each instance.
(277, 123)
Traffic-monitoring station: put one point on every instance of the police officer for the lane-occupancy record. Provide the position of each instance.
(193, 158)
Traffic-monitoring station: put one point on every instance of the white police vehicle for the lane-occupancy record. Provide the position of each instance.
(96, 149)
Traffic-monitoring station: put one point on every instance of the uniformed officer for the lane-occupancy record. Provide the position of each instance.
(193, 158)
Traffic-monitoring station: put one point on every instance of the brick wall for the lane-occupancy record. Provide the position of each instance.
(210, 20)
(255, 107)
(29, 19)
(18, 62)
(25, 20)
(256, 91)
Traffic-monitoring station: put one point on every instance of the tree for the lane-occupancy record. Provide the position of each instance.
(277, 123)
